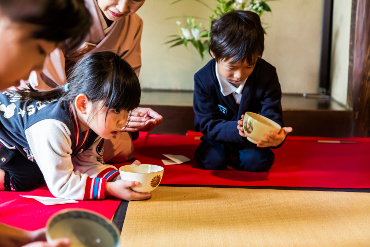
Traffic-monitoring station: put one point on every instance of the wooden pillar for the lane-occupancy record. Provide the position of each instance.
(359, 73)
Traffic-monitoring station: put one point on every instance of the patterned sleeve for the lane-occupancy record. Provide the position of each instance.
(50, 146)
(90, 161)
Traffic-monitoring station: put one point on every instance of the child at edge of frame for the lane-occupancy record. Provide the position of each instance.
(235, 81)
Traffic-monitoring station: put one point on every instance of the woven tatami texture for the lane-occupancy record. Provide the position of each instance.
(203, 216)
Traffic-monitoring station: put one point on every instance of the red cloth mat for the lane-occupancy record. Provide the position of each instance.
(300, 162)
(29, 214)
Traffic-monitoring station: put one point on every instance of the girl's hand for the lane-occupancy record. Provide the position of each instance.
(240, 127)
(142, 119)
(121, 190)
(136, 162)
(274, 139)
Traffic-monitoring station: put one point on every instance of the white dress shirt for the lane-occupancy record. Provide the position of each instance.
(228, 88)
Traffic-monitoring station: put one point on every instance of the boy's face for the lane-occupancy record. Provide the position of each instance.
(235, 73)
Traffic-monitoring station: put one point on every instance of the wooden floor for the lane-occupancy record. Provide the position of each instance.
(310, 115)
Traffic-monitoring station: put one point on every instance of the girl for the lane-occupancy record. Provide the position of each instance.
(116, 27)
(59, 134)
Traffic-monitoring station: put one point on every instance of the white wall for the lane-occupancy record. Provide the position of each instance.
(292, 44)
(340, 50)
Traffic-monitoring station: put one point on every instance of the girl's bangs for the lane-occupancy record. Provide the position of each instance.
(128, 97)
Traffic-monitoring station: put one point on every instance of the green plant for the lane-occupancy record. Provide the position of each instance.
(198, 35)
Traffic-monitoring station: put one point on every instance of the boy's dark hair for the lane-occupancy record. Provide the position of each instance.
(101, 76)
(238, 35)
(58, 20)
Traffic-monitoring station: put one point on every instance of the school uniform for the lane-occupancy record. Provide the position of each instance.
(217, 110)
(48, 134)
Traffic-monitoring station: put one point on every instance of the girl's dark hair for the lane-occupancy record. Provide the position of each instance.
(58, 20)
(101, 76)
(238, 35)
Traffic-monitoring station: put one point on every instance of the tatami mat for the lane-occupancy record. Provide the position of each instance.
(204, 216)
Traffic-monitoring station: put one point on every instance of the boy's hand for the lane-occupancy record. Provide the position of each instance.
(142, 119)
(274, 139)
(240, 127)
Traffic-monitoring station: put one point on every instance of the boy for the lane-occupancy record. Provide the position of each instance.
(236, 80)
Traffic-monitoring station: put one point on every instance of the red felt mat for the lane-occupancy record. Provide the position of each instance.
(30, 214)
(300, 162)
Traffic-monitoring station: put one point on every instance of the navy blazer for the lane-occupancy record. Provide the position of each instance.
(216, 116)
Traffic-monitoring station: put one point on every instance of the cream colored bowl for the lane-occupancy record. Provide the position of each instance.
(83, 228)
(256, 127)
(148, 176)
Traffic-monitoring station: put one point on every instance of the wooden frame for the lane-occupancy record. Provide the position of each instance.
(358, 96)
(325, 56)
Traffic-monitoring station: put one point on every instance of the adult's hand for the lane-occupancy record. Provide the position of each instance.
(142, 119)
(13, 236)
(38, 239)
(63, 242)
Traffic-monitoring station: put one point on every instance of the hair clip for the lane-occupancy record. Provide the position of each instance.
(66, 87)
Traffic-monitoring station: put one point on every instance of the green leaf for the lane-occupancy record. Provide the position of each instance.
(201, 47)
(206, 46)
(186, 43)
(173, 40)
(177, 43)
(265, 7)
(204, 34)
(228, 5)
(223, 6)
(195, 44)
(175, 35)
(190, 20)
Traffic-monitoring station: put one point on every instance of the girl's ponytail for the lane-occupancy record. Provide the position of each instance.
(35, 95)
(101, 76)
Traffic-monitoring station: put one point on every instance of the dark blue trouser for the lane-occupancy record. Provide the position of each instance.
(20, 173)
(246, 156)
